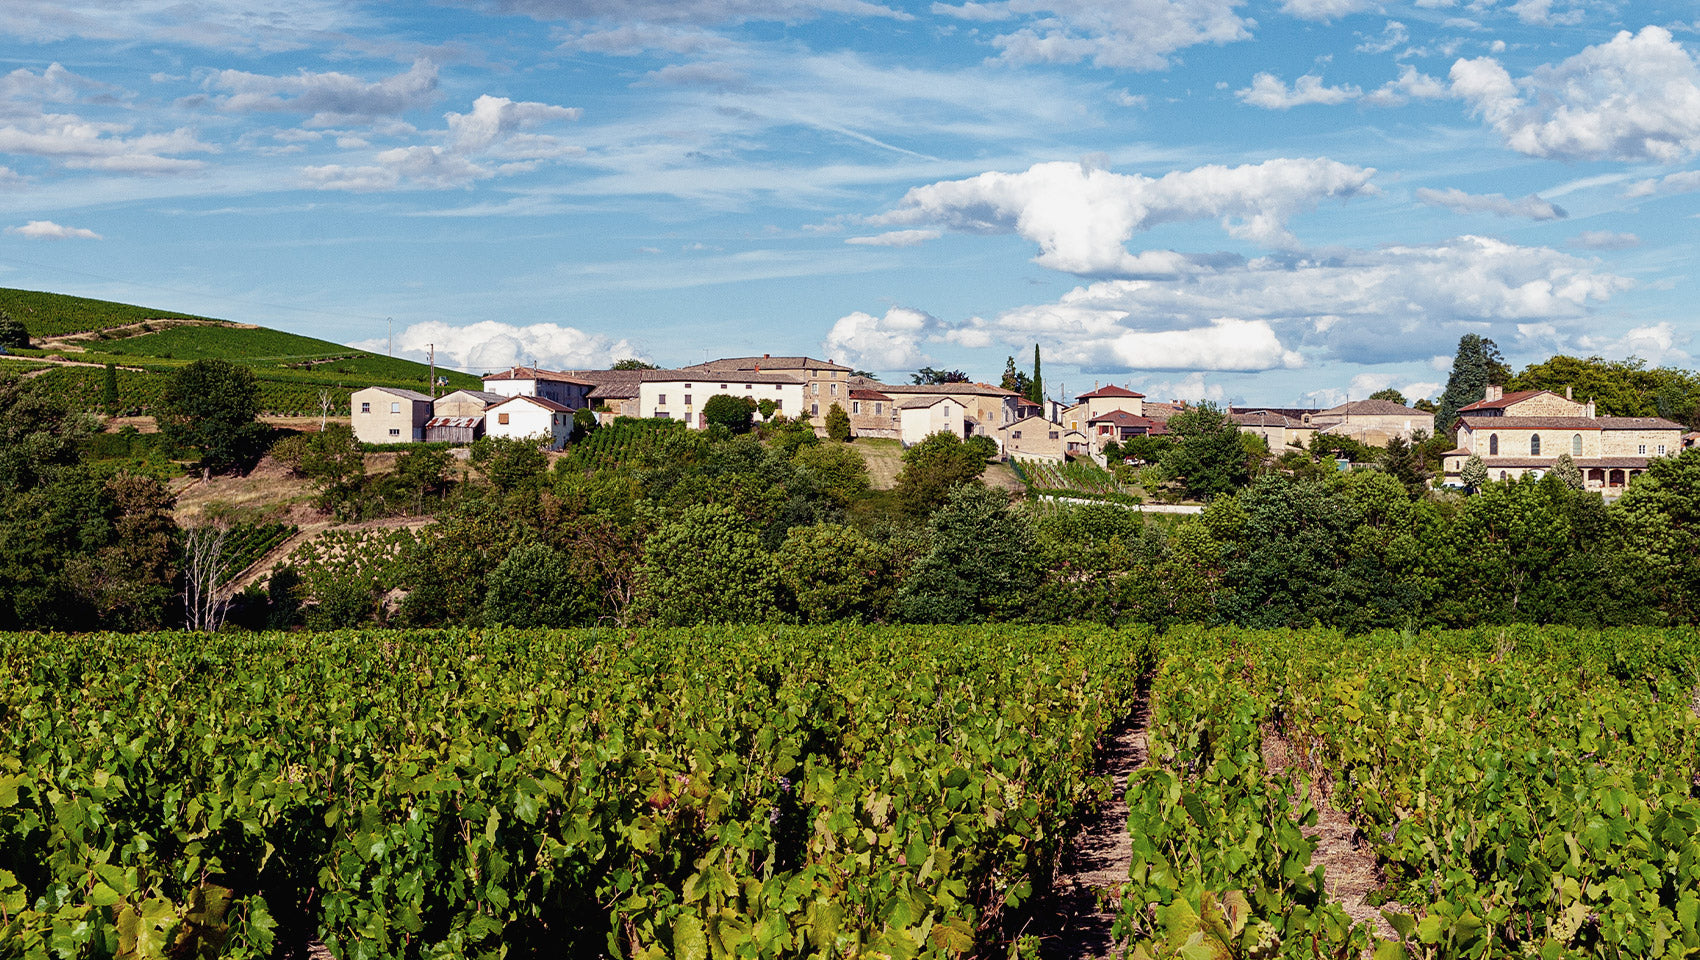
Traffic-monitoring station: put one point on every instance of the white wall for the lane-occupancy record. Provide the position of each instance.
(668, 398)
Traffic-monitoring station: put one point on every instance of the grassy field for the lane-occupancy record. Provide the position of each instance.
(56, 314)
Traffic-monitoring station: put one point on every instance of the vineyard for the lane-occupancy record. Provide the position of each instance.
(1077, 479)
(767, 792)
(623, 442)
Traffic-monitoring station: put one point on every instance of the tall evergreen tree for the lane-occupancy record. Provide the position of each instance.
(1036, 385)
(1475, 367)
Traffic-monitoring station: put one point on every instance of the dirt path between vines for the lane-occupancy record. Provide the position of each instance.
(1096, 864)
(1349, 870)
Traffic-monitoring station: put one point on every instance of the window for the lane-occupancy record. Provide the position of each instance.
(748, 387)
(394, 432)
(661, 400)
(855, 406)
(779, 404)
(1534, 444)
(1053, 434)
(1493, 444)
(879, 408)
(687, 399)
(1576, 445)
(663, 415)
(834, 389)
(395, 408)
(723, 386)
(1642, 450)
(814, 409)
(1661, 449)
(1502, 474)
(365, 408)
(501, 418)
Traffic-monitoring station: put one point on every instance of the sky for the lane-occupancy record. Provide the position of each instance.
(1279, 202)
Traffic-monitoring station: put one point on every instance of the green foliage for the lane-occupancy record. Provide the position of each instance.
(535, 585)
(929, 376)
(631, 363)
(1475, 367)
(13, 333)
(508, 463)
(1619, 388)
(423, 474)
(625, 441)
(1036, 386)
(833, 573)
(211, 405)
(1566, 470)
(55, 314)
(1208, 457)
(1474, 473)
(1014, 379)
(981, 565)
(1079, 479)
(709, 567)
(1391, 395)
(109, 390)
(735, 414)
(932, 469)
(837, 425)
(836, 471)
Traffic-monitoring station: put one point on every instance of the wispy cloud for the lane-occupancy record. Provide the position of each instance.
(1531, 206)
(48, 230)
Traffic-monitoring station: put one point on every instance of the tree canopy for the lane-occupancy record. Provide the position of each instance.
(213, 406)
(929, 376)
(1476, 366)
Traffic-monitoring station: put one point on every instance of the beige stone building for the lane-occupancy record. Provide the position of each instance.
(1119, 425)
(681, 394)
(458, 417)
(873, 413)
(566, 389)
(1372, 422)
(1525, 432)
(389, 415)
(986, 408)
(921, 417)
(1278, 430)
(824, 382)
(1036, 438)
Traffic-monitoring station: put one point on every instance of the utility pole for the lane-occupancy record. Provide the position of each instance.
(432, 348)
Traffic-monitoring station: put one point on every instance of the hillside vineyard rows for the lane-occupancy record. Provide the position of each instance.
(845, 791)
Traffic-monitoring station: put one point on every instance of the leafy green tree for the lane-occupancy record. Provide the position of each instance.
(423, 473)
(1208, 457)
(708, 566)
(1658, 531)
(109, 390)
(213, 406)
(1474, 473)
(1476, 366)
(509, 463)
(632, 363)
(1013, 378)
(982, 564)
(13, 333)
(584, 423)
(1566, 470)
(535, 585)
(732, 413)
(1036, 386)
(932, 469)
(768, 407)
(1391, 395)
(1404, 463)
(930, 377)
(866, 375)
(834, 572)
(837, 425)
(836, 471)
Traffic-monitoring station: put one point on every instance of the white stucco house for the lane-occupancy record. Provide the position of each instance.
(520, 418)
(681, 394)
(922, 417)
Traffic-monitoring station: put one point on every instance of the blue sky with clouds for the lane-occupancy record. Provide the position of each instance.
(1271, 201)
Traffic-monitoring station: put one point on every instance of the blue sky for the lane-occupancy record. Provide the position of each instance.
(1285, 203)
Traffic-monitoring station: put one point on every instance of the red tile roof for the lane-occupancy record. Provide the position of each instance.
(1110, 391)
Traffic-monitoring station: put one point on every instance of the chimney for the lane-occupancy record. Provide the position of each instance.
(1589, 410)
(766, 355)
(1567, 395)
(1495, 393)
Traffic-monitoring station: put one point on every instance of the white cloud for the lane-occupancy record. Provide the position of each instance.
(1081, 217)
(1271, 93)
(1686, 181)
(1657, 343)
(1191, 388)
(1606, 240)
(1452, 198)
(493, 140)
(693, 11)
(488, 346)
(214, 24)
(1127, 34)
(1365, 384)
(48, 230)
(1397, 303)
(891, 342)
(896, 238)
(1393, 34)
(1636, 97)
(1539, 13)
(1324, 9)
(1411, 85)
(329, 97)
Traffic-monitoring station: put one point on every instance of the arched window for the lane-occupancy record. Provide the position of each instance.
(1493, 444)
(1576, 445)
(1534, 444)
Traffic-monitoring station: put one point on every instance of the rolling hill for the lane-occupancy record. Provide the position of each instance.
(76, 337)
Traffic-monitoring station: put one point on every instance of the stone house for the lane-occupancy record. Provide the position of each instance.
(873, 413)
(986, 408)
(389, 415)
(1526, 431)
(921, 417)
(1278, 430)
(1037, 438)
(824, 382)
(681, 394)
(1372, 422)
(569, 391)
(1119, 425)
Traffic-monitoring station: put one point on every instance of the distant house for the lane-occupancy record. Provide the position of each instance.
(563, 388)
(1101, 401)
(526, 417)
(681, 394)
(1373, 422)
(1037, 438)
(824, 382)
(1278, 430)
(921, 417)
(1119, 425)
(1526, 431)
(389, 415)
(873, 413)
(985, 407)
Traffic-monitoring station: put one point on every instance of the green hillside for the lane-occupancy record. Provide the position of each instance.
(293, 370)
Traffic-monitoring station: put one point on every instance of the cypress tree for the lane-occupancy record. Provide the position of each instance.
(109, 391)
(1476, 366)
(1036, 386)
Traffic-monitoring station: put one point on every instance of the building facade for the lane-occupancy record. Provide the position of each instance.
(389, 415)
(530, 418)
(1526, 432)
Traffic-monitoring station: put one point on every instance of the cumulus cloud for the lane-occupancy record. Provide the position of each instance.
(1325, 9)
(694, 11)
(1635, 97)
(48, 230)
(1411, 85)
(1269, 92)
(1126, 34)
(1686, 181)
(1656, 343)
(1531, 206)
(329, 97)
(1606, 240)
(1192, 388)
(210, 24)
(1365, 384)
(1081, 216)
(896, 238)
(891, 342)
(488, 346)
(496, 138)
(74, 141)
(1393, 34)
(1540, 13)
(1396, 303)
